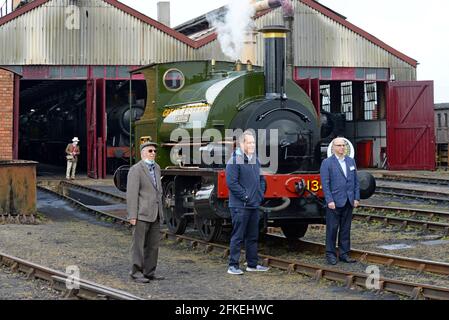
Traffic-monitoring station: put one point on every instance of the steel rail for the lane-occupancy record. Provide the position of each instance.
(419, 265)
(414, 290)
(428, 213)
(409, 263)
(403, 222)
(410, 193)
(83, 290)
(114, 197)
(121, 199)
(414, 179)
(84, 207)
(318, 272)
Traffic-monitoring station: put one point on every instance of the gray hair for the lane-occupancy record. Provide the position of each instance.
(247, 132)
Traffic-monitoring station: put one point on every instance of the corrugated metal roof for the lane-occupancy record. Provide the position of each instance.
(322, 40)
(114, 34)
(109, 33)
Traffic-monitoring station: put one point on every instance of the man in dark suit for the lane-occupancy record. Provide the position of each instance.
(342, 194)
(144, 206)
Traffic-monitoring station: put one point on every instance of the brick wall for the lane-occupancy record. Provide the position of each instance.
(6, 114)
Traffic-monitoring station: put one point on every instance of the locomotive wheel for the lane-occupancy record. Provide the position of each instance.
(175, 224)
(294, 231)
(210, 229)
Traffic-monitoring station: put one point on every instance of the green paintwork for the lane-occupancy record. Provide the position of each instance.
(243, 87)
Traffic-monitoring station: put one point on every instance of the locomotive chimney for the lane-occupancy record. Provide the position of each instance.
(275, 60)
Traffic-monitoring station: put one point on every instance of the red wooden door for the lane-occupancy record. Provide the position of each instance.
(312, 88)
(101, 127)
(410, 126)
(91, 122)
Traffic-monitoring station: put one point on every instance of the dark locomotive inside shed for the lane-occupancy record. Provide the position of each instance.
(52, 112)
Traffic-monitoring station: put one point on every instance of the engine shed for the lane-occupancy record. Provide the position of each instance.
(75, 58)
(345, 70)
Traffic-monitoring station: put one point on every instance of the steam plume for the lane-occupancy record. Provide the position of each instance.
(232, 26)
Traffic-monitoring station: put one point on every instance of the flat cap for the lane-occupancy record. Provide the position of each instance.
(147, 144)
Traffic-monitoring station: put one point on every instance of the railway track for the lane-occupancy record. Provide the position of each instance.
(413, 212)
(79, 288)
(414, 179)
(403, 222)
(384, 219)
(413, 290)
(318, 272)
(419, 265)
(113, 215)
(412, 193)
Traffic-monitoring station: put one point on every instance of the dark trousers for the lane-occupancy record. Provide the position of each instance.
(338, 220)
(145, 248)
(245, 228)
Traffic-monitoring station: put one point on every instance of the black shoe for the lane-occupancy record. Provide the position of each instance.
(347, 259)
(155, 278)
(140, 279)
(331, 260)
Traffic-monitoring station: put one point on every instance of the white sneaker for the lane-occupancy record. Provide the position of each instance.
(257, 268)
(234, 270)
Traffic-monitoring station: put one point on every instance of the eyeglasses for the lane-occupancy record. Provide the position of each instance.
(152, 151)
(340, 145)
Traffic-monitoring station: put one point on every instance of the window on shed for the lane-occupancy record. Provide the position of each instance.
(346, 100)
(439, 120)
(445, 120)
(325, 92)
(370, 103)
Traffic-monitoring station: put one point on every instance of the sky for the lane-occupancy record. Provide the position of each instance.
(417, 28)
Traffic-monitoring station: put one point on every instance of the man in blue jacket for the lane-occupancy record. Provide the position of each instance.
(342, 194)
(246, 193)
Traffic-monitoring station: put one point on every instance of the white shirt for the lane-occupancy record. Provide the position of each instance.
(342, 164)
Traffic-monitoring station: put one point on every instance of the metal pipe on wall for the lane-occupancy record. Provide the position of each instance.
(130, 119)
(288, 13)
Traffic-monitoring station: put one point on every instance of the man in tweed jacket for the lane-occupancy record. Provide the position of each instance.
(144, 207)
